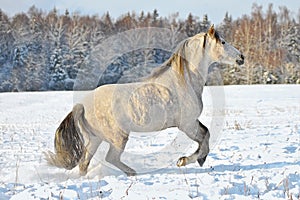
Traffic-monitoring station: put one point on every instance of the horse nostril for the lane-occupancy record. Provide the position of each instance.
(241, 60)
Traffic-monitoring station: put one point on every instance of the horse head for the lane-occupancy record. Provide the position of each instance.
(220, 50)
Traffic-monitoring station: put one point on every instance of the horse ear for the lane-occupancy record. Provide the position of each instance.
(211, 31)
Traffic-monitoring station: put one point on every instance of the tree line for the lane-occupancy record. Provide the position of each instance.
(46, 50)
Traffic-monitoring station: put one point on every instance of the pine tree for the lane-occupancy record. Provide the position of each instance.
(292, 43)
(76, 50)
(204, 24)
(6, 38)
(107, 24)
(155, 16)
(22, 36)
(56, 50)
(226, 27)
(190, 25)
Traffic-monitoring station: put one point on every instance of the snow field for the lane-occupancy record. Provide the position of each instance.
(255, 151)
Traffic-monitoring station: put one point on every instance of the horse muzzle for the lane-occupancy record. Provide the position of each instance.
(240, 60)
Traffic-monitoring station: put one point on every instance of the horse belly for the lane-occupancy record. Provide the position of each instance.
(149, 107)
(152, 117)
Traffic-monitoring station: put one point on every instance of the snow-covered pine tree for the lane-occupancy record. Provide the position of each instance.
(6, 39)
(190, 25)
(22, 36)
(291, 41)
(204, 24)
(56, 50)
(77, 49)
(107, 25)
(6, 44)
(226, 27)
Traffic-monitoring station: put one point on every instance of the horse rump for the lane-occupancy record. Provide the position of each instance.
(68, 142)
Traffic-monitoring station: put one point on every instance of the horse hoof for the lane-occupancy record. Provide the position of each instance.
(83, 173)
(131, 173)
(201, 161)
(181, 161)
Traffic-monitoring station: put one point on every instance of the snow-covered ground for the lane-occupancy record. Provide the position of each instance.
(255, 151)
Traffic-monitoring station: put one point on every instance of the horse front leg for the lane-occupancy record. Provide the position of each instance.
(199, 134)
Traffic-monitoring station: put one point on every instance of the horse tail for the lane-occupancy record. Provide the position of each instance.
(68, 142)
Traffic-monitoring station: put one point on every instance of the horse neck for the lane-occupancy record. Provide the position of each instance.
(196, 72)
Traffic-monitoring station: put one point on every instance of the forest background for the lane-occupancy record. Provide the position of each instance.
(46, 50)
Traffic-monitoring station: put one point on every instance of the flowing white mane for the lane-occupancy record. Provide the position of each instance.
(178, 59)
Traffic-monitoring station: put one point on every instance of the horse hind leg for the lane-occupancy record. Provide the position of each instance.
(90, 150)
(201, 136)
(114, 157)
(93, 141)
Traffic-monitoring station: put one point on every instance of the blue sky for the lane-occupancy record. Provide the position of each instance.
(215, 9)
